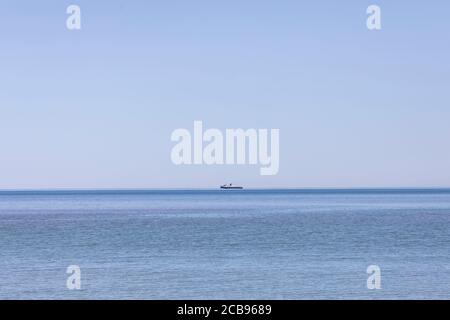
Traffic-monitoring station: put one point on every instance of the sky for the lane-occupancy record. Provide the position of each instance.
(95, 108)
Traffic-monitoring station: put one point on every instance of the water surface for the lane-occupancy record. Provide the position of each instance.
(249, 244)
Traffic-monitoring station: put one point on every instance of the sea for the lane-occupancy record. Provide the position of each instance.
(225, 244)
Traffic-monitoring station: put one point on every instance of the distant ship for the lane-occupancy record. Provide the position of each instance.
(230, 186)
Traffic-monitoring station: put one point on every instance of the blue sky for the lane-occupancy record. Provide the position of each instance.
(95, 108)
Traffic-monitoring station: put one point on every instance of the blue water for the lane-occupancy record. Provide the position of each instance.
(268, 244)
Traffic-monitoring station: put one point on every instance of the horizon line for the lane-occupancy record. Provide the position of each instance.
(218, 188)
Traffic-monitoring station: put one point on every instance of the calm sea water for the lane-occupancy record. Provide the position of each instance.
(271, 244)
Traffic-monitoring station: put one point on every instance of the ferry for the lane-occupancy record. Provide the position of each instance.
(230, 186)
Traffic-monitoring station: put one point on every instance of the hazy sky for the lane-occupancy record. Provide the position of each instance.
(95, 108)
